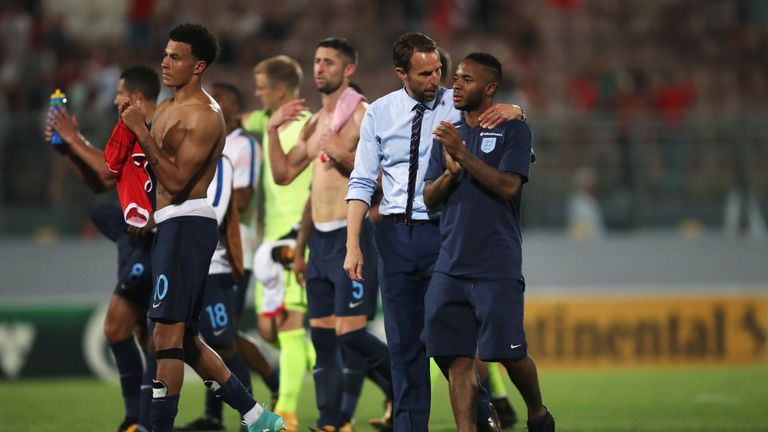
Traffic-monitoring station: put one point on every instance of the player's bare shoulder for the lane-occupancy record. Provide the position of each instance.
(351, 130)
(362, 107)
(208, 112)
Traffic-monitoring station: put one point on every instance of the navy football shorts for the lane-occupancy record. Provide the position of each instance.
(465, 315)
(134, 271)
(217, 314)
(329, 290)
(181, 255)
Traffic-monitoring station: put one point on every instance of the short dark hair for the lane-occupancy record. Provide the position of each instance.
(232, 90)
(343, 46)
(143, 79)
(204, 44)
(489, 61)
(409, 43)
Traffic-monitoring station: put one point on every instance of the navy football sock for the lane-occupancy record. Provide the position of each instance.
(372, 348)
(354, 373)
(128, 360)
(213, 405)
(327, 375)
(235, 395)
(382, 383)
(483, 404)
(164, 408)
(237, 366)
(145, 396)
(486, 384)
(273, 381)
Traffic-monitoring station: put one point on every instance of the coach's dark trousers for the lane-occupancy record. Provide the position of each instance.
(408, 254)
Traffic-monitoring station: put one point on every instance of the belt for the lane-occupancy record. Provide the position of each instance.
(400, 218)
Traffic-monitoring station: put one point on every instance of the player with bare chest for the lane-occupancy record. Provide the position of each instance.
(338, 306)
(186, 141)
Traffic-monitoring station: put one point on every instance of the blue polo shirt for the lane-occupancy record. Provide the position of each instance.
(480, 232)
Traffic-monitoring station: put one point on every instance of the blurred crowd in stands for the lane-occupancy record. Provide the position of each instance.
(646, 113)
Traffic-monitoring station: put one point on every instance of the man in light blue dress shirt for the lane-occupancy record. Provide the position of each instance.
(396, 140)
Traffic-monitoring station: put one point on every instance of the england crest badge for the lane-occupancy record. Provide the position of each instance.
(488, 144)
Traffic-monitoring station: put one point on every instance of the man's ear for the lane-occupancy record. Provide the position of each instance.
(349, 70)
(136, 95)
(281, 90)
(401, 73)
(490, 89)
(200, 66)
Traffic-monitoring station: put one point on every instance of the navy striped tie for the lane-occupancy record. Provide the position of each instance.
(413, 165)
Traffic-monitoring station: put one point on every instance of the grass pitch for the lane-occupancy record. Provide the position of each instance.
(700, 399)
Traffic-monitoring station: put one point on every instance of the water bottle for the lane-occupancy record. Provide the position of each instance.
(58, 99)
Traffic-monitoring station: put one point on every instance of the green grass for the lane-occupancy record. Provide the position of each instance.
(664, 400)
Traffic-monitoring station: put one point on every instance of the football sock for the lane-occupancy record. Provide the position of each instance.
(128, 360)
(353, 374)
(234, 394)
(497, 388)
(273, 381)
(371, 348)
(327, 375)
(145, 396)
(164, 408)
(293, 365)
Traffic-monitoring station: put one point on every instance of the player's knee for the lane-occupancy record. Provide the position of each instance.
(517, 362)
(328, 322)
(463, 365)
(167, 336)
(349, 324)
(115, 331)
(267, 329)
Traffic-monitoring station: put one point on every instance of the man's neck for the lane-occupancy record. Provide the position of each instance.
(470, 116)
(329, 100)
(150, 107)
(187, 91)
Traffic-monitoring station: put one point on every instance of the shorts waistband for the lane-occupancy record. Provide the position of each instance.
(194, 207)
(331, 225)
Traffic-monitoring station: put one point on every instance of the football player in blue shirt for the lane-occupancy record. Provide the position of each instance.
(475, 297)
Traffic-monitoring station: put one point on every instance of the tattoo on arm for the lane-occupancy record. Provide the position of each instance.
(148, 152)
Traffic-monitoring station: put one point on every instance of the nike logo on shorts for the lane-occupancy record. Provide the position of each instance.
(353, 305)
(219, 332)
(156, 305)
(513, 346)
